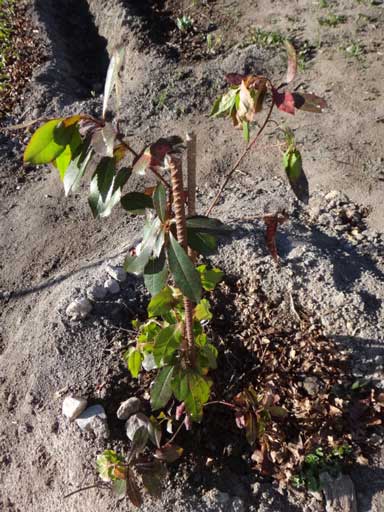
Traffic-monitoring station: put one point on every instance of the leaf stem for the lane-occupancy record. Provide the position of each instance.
(240, 159)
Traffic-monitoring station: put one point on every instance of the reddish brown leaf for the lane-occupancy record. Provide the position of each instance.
(309, 102)
(284, 101)
(272, 221)
(234, 78)
(133, 491)
(169, 453)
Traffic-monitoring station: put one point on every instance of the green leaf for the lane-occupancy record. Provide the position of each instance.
(203, 224)
(114, 67)
(203, 311)
(292, 163)
(161, 303)
(166, 343)
(209, 355)
(246, 131)
(156, 274)
(103, 194)
(224, 105)
(277, 412)
(184, 273)
(192, 389)
(160, 201)
(110, 465)
(48, 142)
(203, 243)
(133, 358)
(161, 390)
(137, 264)
(71, 150)
(76, 169)
(136, 202)
(209, 278)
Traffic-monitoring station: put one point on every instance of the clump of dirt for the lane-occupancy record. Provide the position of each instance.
(21, 53)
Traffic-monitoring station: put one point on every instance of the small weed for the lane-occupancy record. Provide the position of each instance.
(263, 38)
(355, 50)
(332, 20)
(323, 4)
(161, 98)
(214, 42)
(184, 23)
(6, 12)
(319, 461)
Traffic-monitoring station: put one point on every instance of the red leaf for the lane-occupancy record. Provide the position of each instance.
(284, 101)
(272, 221)
(309, 102)
(235, 78)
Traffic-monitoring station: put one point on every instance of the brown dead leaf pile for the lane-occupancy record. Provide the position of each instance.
(292, 386)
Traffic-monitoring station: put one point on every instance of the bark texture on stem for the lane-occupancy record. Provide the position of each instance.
(181, 232)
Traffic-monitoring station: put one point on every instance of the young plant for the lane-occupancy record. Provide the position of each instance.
(173, 340)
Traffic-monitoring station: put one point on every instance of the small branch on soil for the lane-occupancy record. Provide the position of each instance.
(220, 402)
(240, 159)
(84, 489)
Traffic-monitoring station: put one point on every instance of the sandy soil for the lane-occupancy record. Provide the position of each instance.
(51, 249)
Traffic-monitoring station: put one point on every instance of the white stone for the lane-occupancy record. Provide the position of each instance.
(129, 407)
(96, 292)
(78, 309)
(94, 420)
(73, 406)
(117, 273)
(112, 286)
(134, 423)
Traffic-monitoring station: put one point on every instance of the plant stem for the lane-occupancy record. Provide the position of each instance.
(191, 176)
(99, 485)
(240, 159)
(181, 231)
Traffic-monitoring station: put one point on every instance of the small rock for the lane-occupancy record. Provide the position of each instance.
(134, 423)
(311, 385)
(237, 505)
(73, 406)
(78, 309)
(96, 292)
(129, 407)
(112, 286)
(94, 420)
(117, 273)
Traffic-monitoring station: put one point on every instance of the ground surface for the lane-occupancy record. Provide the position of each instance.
(51, 249)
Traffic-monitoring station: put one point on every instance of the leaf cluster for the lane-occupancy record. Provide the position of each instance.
(160, 341)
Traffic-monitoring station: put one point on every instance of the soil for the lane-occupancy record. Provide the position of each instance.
(332, 263)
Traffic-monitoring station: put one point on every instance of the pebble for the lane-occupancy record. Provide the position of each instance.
(237, 505)
(117, 273)
(112, 286)
(129, 407)
(311, 385)
(73, 406)
(96, 292)
(94, 420)
(78, 309)
(134, 423)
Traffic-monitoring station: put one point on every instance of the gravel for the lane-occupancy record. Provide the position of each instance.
(129, 407)
(73, 406)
